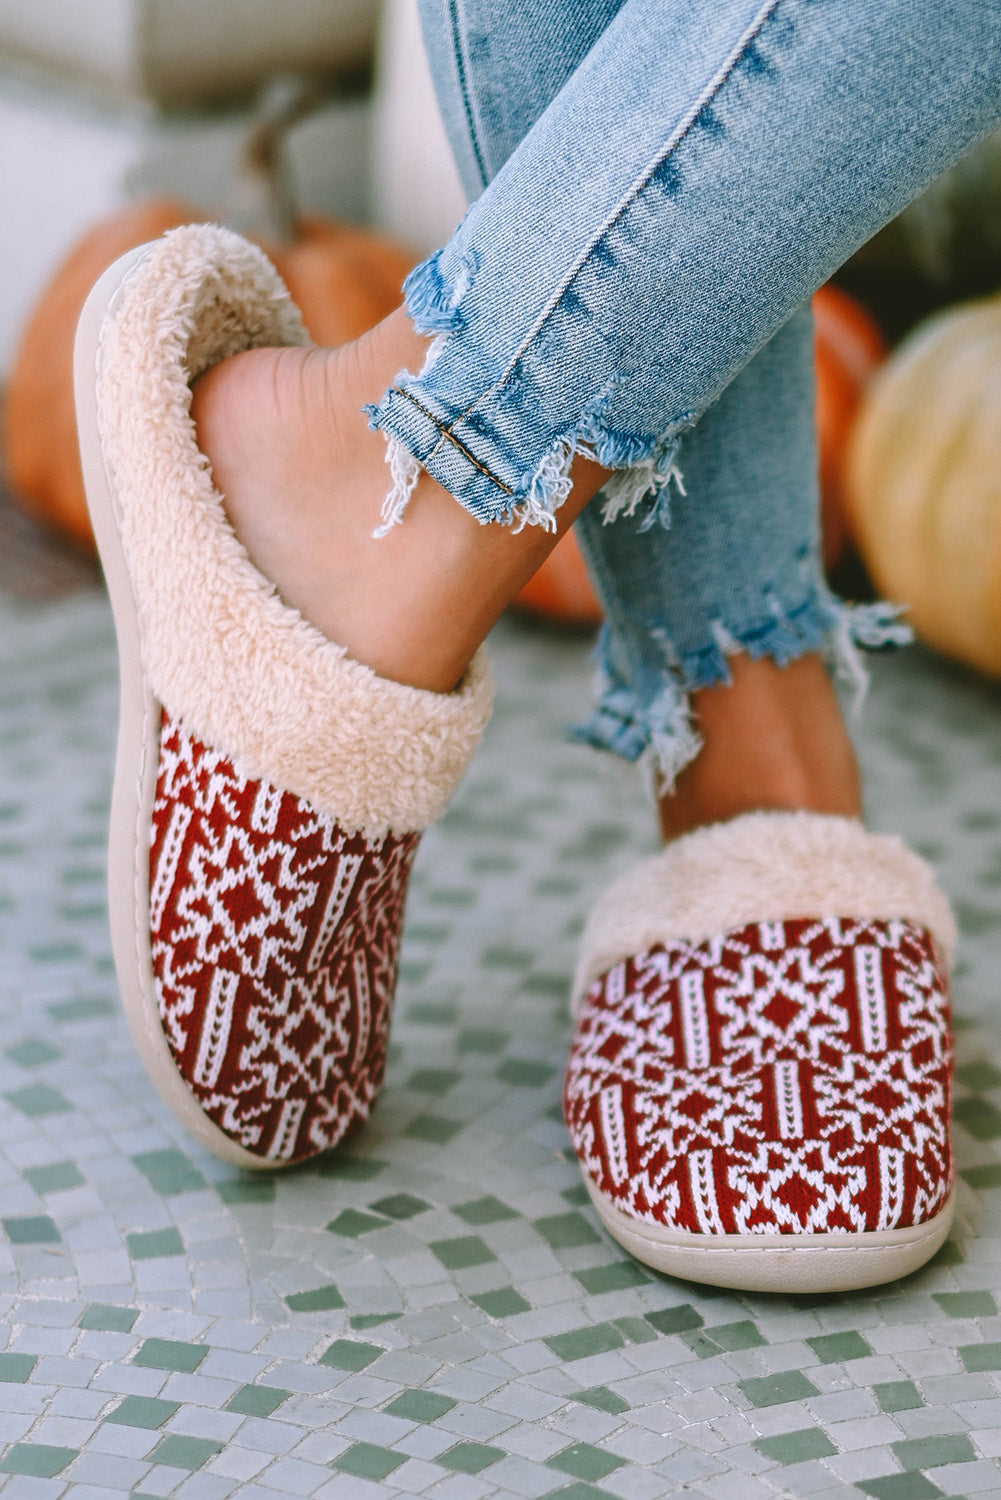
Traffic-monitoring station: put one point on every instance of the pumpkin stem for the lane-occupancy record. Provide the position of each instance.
(262, 201)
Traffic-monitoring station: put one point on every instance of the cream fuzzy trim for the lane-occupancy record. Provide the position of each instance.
(762, 867)
(245, 673)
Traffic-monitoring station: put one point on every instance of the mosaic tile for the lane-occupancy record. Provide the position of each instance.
(776, 1390)
(32, 1052)
(105, 1318)
(420, 1406)
(979, 1075)
(470, 1458)
(481, 1039)
(564, 1231)
(169, 1354)
(433, 1080)
(524, 1072)
(932, 1452)
(349, 1354)
(179, 1452)
(796, 1447)
(368, 1461)
(257, 1400)
(247, 1190)
(464, 1251)
(55, 1177)
(585, 1461)
(981, 1356)
(897, 1395)
(602, 1399)
(504, 1302)
(40, 1460)
(320, 1299)
(966, 1304)
(978, 1117)
(143, 1411)
(33, 1229)
(584, 1343)
(611, 1278)
(400, 1206)
(675, 1319)
(168, 1171)
(486, 1210)
(37, 1099)
(351, 1223)
(372, 1320)
(154, 1244)
(833, 1348)
(437, 1129)
(16, 1368)
(900, 1487)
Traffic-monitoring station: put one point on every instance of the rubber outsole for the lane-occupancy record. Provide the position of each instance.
(137, 755)
(842, 1262)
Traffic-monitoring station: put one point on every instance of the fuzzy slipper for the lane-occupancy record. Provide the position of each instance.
(758, 1090)
(269, 791)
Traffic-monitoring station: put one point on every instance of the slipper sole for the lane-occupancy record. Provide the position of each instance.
(788, 1263)
(137, 754)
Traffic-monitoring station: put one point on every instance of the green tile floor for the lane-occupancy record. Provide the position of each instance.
(434, 1310)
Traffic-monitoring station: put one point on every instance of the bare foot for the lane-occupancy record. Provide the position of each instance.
(303, 480)
(773, 739)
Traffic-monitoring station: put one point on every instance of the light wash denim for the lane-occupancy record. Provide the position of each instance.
(660, 187)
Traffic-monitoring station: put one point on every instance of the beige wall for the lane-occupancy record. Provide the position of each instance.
(185, 51)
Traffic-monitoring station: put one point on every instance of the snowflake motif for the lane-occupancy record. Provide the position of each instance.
(789, 1077)
(274, 943)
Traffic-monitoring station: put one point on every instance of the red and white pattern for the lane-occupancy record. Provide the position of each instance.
(274, 942)
(786, 1078)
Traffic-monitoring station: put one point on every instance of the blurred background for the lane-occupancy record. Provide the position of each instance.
(107, 104)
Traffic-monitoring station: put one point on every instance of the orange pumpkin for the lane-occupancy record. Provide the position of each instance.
(924, 482)
(343, 279)
(848, 349)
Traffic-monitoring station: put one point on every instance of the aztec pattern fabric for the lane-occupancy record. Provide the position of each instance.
(786, 1078)
(274, 943)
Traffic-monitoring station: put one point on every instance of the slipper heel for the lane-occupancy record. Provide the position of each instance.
(137, 751)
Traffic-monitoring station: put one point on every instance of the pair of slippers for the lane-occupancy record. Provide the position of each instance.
(758, 1086)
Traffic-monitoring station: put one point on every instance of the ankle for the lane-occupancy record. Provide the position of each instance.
(773, 740)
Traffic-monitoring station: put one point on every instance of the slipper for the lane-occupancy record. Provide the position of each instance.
(758, 1089)
(269, 791)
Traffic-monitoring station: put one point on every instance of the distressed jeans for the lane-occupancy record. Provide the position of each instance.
(658, 187)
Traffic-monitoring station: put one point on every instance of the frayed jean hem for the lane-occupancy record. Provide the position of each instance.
(652, 721)
(464, 452)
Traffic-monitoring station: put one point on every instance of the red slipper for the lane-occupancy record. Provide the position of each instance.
(758, 1089)
(269, 791)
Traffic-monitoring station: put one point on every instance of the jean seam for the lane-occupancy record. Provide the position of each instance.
(467, 103)
(448, 435)
(750, 35)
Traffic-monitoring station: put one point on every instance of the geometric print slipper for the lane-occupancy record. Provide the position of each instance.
(759, 1084)
(269, 791)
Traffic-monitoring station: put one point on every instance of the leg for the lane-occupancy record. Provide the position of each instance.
(768, 738)
(716, 625)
